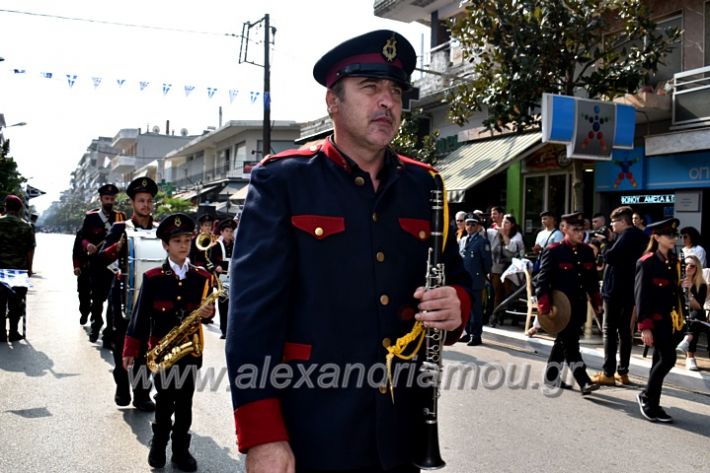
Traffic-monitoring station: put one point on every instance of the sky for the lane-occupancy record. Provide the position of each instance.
(93, 56)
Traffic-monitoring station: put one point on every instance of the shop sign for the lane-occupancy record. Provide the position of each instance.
(591, 129)
(647, 199)
(625, 172)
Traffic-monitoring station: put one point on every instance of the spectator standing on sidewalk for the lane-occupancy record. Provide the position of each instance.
(460, 228)
(618, 295)
(506, 243)
(695, 292)
(691, 244)
(476, 254)
(17, 247)
(569, 267)
(548, 235)
(640, 223)
(656, 291)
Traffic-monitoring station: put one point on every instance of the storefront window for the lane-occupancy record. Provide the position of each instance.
(548, 192)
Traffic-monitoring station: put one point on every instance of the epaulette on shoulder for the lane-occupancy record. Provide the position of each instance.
(202, 271)
(153, 272)
(291, 153)
(646, 256)
(414, 162)
(554, 245)
(92, 211)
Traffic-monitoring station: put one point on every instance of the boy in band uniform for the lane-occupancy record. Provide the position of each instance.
(170, 293)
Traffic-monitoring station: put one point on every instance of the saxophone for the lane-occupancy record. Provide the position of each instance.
(185, 339)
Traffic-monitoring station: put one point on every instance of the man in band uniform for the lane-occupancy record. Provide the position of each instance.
(141, 192)
(97, 223)
(328, 271)
(569, 266)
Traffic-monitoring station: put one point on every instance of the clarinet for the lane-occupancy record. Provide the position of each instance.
(428, 449)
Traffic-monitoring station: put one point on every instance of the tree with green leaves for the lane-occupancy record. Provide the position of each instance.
(10, 178)
(412, 142)
(522, 48)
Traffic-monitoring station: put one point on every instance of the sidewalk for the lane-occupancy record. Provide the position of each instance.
(593, 354)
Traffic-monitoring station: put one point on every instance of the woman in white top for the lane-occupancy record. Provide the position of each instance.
(691, 244)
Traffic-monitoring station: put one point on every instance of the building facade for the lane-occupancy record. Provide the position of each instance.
(526, 176)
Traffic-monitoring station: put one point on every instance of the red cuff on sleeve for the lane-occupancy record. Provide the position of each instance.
(84, 243)
(597, 300)
(111, 253)
(453, 335)
(259, 422)
(76, 263)
(645, 324)
(543, 304)
(131, 346)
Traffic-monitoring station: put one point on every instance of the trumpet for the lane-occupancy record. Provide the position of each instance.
(204, 241)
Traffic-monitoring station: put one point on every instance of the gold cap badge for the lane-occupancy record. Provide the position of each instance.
(178, 222)
(389, 50)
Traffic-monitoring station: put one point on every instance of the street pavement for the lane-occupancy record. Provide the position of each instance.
(57, 412)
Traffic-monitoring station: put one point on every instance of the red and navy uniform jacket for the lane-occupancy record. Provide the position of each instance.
(109, 252)
(78, 255)
(322, 276)
(656, 290)
(164, 301)
(572, 270)
(217, 257)
(94, 230)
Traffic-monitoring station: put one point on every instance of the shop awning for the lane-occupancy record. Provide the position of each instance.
(477, 161)
(189, 195)
(232, 188)
(240, 195)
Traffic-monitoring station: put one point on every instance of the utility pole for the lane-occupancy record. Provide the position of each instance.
(269, 31)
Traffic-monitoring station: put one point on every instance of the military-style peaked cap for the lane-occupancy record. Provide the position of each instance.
(108, 189)
(381, 54)
(142, 184)
(174, 225)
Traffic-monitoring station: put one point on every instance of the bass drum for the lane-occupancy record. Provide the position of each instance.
(145, 251)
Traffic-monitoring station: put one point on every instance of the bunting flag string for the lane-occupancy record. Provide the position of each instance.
(98, 82)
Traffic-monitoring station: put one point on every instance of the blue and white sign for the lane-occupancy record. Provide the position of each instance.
(591, 129)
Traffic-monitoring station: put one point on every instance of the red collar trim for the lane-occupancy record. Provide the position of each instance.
(332, 153)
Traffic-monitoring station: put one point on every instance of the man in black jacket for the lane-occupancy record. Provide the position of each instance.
(618, 294)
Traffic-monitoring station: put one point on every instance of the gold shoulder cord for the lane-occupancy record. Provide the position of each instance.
(417, 333)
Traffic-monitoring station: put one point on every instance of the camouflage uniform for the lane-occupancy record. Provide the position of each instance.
(17, 239)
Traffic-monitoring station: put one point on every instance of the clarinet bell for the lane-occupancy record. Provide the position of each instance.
(430, 458)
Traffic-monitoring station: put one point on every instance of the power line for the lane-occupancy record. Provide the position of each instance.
(116, 23)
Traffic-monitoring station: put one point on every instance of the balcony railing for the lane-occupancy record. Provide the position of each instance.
(691, 98)
(121, 164)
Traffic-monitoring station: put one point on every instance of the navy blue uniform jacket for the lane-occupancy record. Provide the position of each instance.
(163, 302)
(656, 290)
(572, 270)
(93, 229)
(323, 274)
(477, 259)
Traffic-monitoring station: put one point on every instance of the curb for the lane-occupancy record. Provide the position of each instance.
(593, 353)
